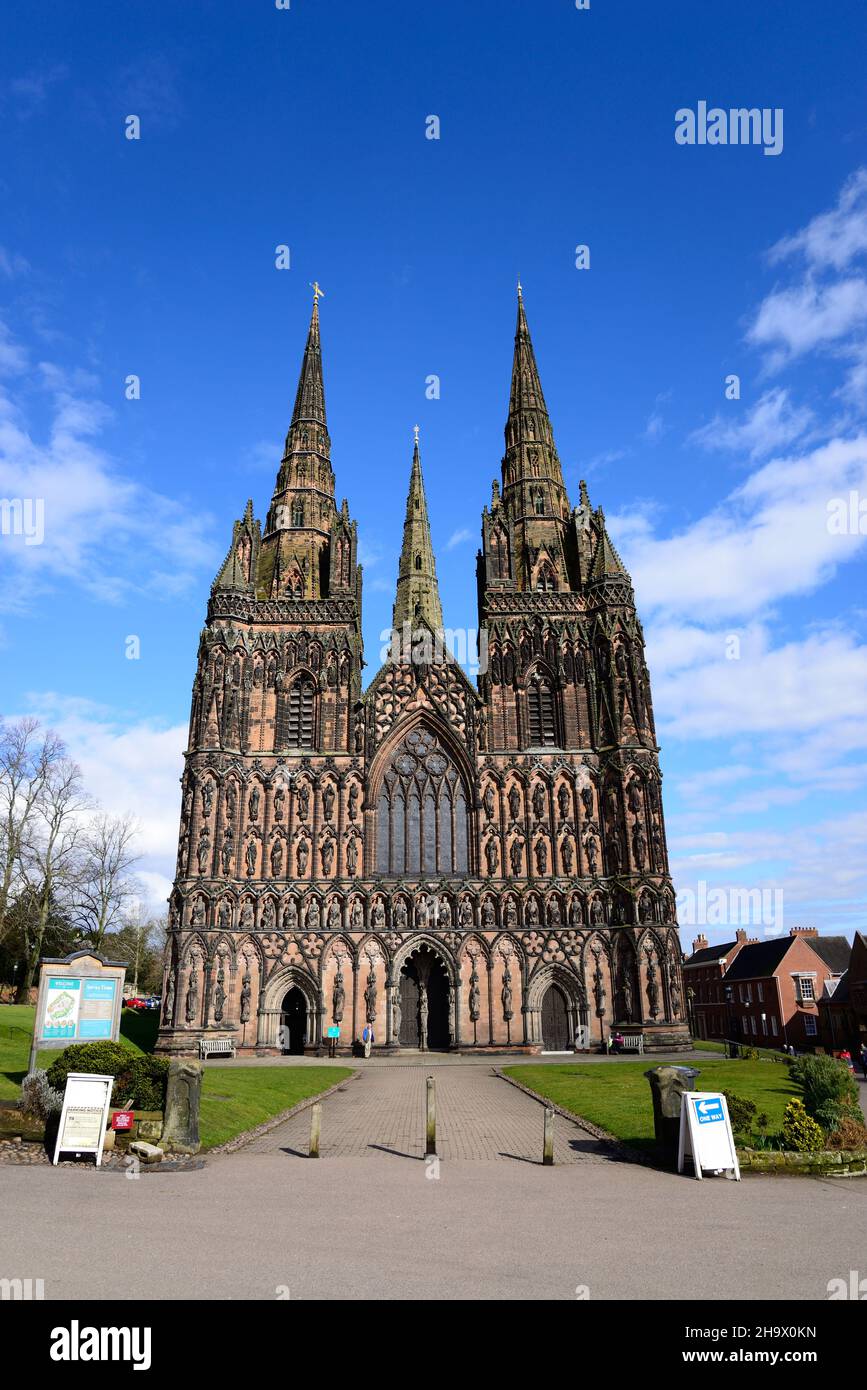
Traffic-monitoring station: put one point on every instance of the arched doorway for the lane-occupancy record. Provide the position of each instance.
(293, 1019)
(423, 996)
(555, 1021)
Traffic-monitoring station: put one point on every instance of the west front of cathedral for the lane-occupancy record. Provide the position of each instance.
(448, 865)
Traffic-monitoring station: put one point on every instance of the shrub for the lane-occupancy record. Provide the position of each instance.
(829, 1115)
(800, 1131)
(741, 1112)
(139, 1081)
(38, 1096)
(748, 1054)
(851, 1133)
(824, 1081)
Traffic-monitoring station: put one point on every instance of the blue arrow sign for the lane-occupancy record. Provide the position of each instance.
(709, 1111)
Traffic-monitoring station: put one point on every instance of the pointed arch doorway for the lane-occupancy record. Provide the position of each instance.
(556, 1033)
(293, 1018)
(423, 1003)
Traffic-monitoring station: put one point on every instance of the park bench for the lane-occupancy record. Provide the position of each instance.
(216, 1047)
(633, 1043)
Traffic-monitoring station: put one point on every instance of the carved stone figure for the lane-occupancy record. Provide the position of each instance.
(313, 915)
(169, 1001)
(515, 857)
(370, 995)
(251, 856)
(514, 802)
(356, 916)
(423, 1011)
(246, 995)
(207, 798)
(488, 915)
(191, 1012)
(279, 803)
(541, 857)
(539, 800)
(248, 916)
(227, 850)
(328, 802)
(506, 993)
(326, 854)
(466, 913)
(639, 846)
(301, 856)
(652, 985)
(277, 858)
(352, 804)
(563, 801)
(253, 806)
(219, 994)
(225, 918)
(566, 856)
(489, 803)
(378, 919)
(576, 913)
(290, 915)
(338, 997)
(475, 996)
(492, 856)
(303, 801)
(352, 856)
(445, 913)
(202, 850)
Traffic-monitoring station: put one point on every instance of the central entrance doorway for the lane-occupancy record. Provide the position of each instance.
(293, 1017)
(555, 1021)
(423, 1002)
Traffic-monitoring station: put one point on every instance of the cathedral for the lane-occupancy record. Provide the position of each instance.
(451, 865)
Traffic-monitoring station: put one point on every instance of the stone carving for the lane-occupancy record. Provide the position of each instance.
(246, 996)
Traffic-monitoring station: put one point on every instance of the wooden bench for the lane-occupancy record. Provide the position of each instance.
(216, 1047)
(633, 1043)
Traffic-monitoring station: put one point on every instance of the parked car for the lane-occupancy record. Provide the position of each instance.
(153, 1001)
(136, 1002)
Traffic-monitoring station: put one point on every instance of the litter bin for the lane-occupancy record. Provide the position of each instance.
(667, 1085)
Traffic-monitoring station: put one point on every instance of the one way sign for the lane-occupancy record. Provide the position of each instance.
(709, 1111)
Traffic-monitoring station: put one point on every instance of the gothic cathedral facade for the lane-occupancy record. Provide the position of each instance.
(451, 865)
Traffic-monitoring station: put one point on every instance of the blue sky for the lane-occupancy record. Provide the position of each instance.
(306, 127)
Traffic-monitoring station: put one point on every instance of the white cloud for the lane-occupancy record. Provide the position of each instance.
(103, 530)
(772, 423)
(808, 316)
(459, 538)
(832, 238)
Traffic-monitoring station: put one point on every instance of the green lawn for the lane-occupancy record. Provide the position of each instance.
(235, 1099)
(137, 1032)
(616, 1096)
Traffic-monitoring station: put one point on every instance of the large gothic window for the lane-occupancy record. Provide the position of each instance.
(295, 715)
(541, 712)
(422, 822)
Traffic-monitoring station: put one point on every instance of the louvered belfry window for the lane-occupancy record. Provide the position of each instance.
(295, 716)
(540, 705)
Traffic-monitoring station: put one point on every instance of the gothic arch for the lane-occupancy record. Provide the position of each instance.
(422, 793)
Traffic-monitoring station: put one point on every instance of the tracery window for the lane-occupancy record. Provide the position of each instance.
(422, 822)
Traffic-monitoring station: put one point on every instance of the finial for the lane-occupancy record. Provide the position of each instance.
(520, 290)
(415, 433)
(317, 292)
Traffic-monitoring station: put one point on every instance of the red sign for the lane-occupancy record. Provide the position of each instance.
(122, 1119)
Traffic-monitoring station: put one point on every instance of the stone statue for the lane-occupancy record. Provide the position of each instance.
(627, 995)
(445, 913)
(251, 858)
(225, 918)
(191, 1011)
(248, 916)
(359, 734)
(532, 914)
(515, 857)
(422, 1017)
(219, 994)
(539, 802)
(488, 916)
(396, 1017)
(590, 848)
(492, 856)
(566, 856)
(334, 915)
(290, 915)
(353, 802)
(303, 801)
(207, 798)
(277, 858)
(639, 846)
(328, 802)
(279, 799)
(475, 996)
(489, 803)
(597, 913)
(466, 913)
(399, 915)
(228, 850)
(203, 846)
(506, 993)
(511, 915)
(652, 986)
(514, 802)
(338, 998)
(370, 995)
(169, 1001)
(231, 801)
(599, 988)
(576, 913)
(356, 917)
(326, 854)
(554, 918)
(313, 915)
(254, 803)
(563, 801)
(352, 856)
(615, 854)
(421, 913)
(246, 994)
(301, 855)
(541, 857)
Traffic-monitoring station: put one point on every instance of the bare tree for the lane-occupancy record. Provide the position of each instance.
(51, 856)
(27, 756)
(106, 886)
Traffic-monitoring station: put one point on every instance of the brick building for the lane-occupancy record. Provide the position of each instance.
(456, 865)
(703, 974)
(843, 1004)
(766, 992)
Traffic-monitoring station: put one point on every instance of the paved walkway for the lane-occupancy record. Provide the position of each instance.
(479, 1116)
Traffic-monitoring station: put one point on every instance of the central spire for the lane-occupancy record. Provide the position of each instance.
(418, 595)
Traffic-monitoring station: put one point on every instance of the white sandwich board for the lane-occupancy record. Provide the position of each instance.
(86, 1103)
(706, 1134)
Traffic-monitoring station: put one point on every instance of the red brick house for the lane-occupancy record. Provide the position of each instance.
(773, 987)
(843, 1005)
(703, 974)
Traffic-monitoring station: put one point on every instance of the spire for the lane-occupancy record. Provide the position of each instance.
(310, 396)
(418, 595)
(528, 413)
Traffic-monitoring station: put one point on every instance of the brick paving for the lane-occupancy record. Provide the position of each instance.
(479, 1116)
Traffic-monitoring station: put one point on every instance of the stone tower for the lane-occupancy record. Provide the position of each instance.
(454, 866)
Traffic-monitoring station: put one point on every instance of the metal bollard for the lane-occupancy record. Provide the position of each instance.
(548, 1138)
(315, 1129)
(431, 1130)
